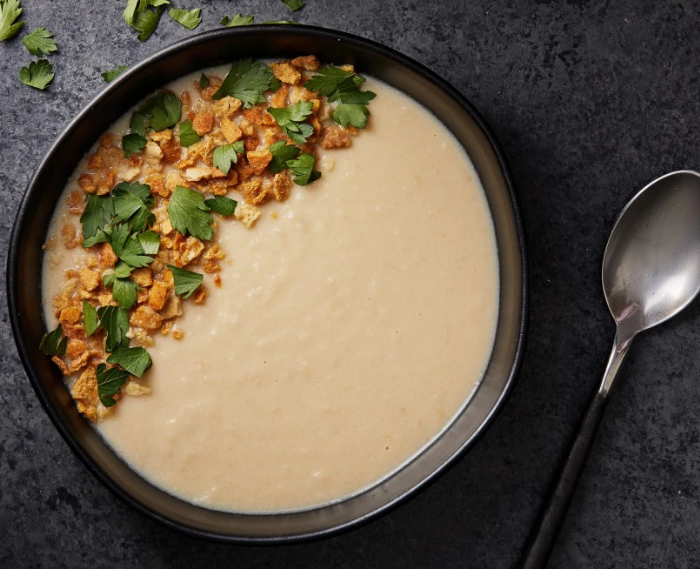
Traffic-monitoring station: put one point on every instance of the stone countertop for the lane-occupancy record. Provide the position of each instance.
(590, 101)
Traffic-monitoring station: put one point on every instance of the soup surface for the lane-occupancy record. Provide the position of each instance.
(352, 324)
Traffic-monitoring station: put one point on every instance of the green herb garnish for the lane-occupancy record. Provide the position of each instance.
(124, 290)
(281, 154)
(90, 320)
(144, 15)
(186, 282)
(109, 382)
(111, 74)
(39, 41)
(99, 211)
(303, 169)
(294, 5)
(225, 156)
(188, 136)
(150, 241)
(221, 205)
(203, 81)
(115, 322)
(159, 112)
(189, 214)
(9, 12)
(54, 343)
(134, 360)
(39, 74)
(133, 143)
(188, 18)
(127, 246)
(291, 120)
(237, 20)
(247, 80)
(355, 115)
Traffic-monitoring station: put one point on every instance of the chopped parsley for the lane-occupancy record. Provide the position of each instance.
(127, 246)
(188, 18)
(303, 169)
(10, 10)
(294, 5)
(237, 20)
(291, 120)
(90, 320)
(122, 270)
(226, 155)
(134, 360)
(39, 41)
(54, 343)
(144, 15)
(186, 282)
(203, 81)
(150, 241)
(109, 383)
(281, 154)
(161, 111)
(221, 205)
(124, 290)
(188, 136)
(111, 74)
(247, 80)
(133, 143)
(99, 211)
(344, 87)
(39, 74)
(189, 214)
(115, 322)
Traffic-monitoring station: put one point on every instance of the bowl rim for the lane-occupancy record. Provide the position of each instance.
(23, 213)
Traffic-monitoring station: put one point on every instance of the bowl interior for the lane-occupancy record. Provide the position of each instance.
(206, 50)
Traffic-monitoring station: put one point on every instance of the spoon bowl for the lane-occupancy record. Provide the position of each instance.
(651, 265)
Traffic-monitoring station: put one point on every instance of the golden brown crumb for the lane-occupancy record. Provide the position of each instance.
(84, 391)
(230, 130)
(61, 365)
(142, 277)
(259, 159)
(135, 389)
(217, 280)
(107, 256)
(70, 315)
(307, 62)
(172, 307)
(335, 136)
(145, 317)
(157, 295)
(247, 214)
(75, 348)
(279, 97)
(167, 327)
(89, 279)
(200, 295)
(226, 107)
(281, 185)
(285, 72)
(253, 191)
(178, 334)
(203, 123)
(69, 237)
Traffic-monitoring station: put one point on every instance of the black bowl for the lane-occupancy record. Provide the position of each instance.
(207, 50)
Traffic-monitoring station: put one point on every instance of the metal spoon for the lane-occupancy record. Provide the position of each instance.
(651, 271)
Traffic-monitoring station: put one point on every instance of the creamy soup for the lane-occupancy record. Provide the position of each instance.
(352, 324)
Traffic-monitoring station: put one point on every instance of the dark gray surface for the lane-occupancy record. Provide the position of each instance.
(590, 101)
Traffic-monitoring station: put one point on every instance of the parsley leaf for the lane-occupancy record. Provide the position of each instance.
(186, 282)
(9, 12)
(139, 16)
(127, 247)
(247, 80)
(131, 198)
(139, 123)
(294, 5)
(355, 115)
(163, 111)
(203, 81)
(226, 155)
(291, 120)
(39, 74)
(349, 92)
(121, 271)
(221, 205)
(237, 20)
(39, 41)
(99, 211)
(90, 320)
(188, 136)
(142, 191)
(134, 360)
(115, 322)
(133, 143)
(52, 344)
(188, 213)
(109, 382)
(327, 80)
(303, 169)
(111, 74)
(124, 291)
(188, 18)
(281, 154)
(150, 241)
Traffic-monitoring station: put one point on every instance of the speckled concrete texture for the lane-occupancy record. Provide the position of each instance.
(590, 100)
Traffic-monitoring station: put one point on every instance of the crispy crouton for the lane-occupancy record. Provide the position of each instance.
(172, 307)
(154, 151)
(157, 295)
(140, 338)
(107, 256)
(61, 365)
(142, 277)
(203, 123)
(285, 72)
(281, 186)
(189, 251)
(259, 159)
(75, 202)
(279, 97)
(230, 130)
(75, 348)
(335, 136)
(79, 362)
(307, 62)
(214, 85)
(217, 280)
(246, 127)
(178, 334)
(196, 173)
(87, 183)
(300, 94)
(70, 315)
(203, 150)
(214, 253)
(89, 279)
(200, 295)
(84, 391)
(226, 107)
(145, 317)
(247, 214)
(70, 238)
(254, 191)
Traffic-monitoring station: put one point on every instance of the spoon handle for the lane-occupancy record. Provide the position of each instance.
(546, 530)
